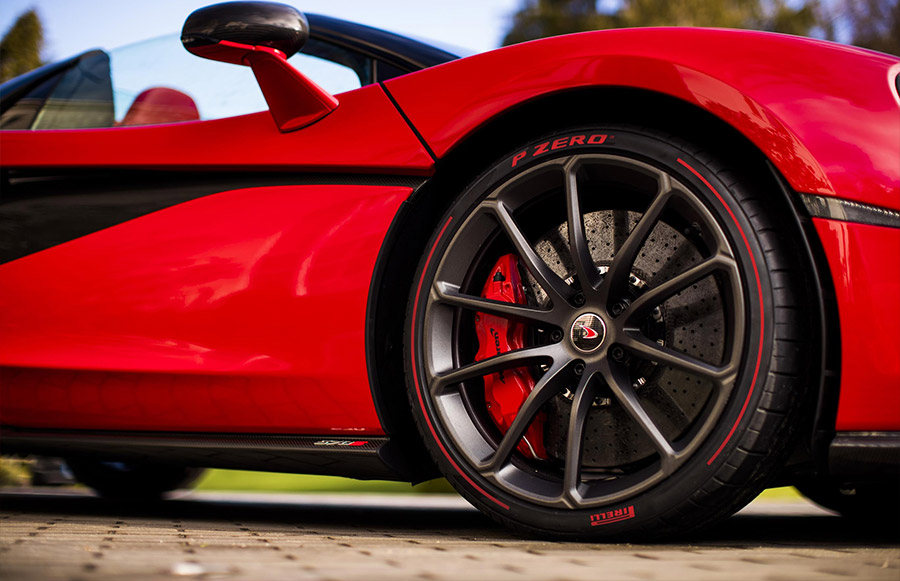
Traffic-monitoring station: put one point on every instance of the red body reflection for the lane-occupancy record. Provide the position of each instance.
(819, 128)
(173, 322)
(864, 264)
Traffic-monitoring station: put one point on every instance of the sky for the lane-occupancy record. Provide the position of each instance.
(73, 26)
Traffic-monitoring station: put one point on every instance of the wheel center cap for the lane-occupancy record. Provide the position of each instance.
(588, 332)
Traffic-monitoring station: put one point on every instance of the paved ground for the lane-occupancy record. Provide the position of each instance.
(74, 536)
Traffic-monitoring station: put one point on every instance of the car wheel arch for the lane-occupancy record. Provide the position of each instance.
(415, 222)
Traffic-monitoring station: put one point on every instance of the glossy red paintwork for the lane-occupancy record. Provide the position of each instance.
(825, 115)
(238, 311)
(245, 310)
(364, 134)
(865, 266)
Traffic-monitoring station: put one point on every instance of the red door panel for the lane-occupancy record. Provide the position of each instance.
(241, 311)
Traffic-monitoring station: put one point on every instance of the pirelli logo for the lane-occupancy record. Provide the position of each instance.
(605, 518)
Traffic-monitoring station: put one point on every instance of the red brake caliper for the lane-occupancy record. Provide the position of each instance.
(505, 391)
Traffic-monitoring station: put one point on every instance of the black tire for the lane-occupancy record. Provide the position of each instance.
(670, 433)
(126, 481)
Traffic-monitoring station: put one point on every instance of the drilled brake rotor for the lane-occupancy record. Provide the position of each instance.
(692, 322)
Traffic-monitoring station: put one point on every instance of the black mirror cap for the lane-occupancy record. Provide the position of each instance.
(267, 24)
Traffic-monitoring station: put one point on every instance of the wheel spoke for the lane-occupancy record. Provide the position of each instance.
(449, 294)
(647, 349)
(617, 277)
(618, 382)
(620, 229)
(547, 386)
(580, 249)
(554, 286)
(581, 407)
(508, 360)
(658, 294)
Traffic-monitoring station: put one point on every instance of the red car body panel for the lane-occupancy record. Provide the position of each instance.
(260, 294)
(824, 114)
(241, 311)
(865, 267)
(249, 142)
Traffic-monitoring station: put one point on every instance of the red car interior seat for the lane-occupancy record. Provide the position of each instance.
(158, 105)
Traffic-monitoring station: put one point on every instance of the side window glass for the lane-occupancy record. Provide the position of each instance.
(78, 97)
(83, 97)
(157, 81)
(22, 113)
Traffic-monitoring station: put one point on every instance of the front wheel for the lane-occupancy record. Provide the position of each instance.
(597, 338)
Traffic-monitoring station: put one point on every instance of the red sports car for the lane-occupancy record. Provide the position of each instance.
(611, 284)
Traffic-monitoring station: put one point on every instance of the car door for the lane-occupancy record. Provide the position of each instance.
(161, 270)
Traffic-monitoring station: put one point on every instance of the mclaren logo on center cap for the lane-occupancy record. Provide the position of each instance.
(588, 332)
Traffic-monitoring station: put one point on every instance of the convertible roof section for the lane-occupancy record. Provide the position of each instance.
(805, 104)
(404, 53)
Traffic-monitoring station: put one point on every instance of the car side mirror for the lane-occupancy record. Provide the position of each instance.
(262, 35)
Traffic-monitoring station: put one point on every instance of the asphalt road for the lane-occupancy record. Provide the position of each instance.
(75, 536)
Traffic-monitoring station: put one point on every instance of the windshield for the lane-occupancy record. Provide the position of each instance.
(156, 81)
(217, 89)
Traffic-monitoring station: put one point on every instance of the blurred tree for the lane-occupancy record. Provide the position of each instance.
(724, 13)
(541, 18)
(873, 24)
(778, 16)
(20, 49)
(538, 18)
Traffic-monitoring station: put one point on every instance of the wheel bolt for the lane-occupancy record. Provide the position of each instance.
(578, 299)
(617, 353)
(617, 309)
(579, 368)
(556, 336)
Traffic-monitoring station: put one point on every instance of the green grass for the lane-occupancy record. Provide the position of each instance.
(278, 482)
(15, 472)
(783, 494)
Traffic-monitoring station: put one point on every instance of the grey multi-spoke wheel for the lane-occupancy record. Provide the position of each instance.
(633, 358)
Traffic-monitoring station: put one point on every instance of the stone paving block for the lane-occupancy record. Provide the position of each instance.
(318, 538)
